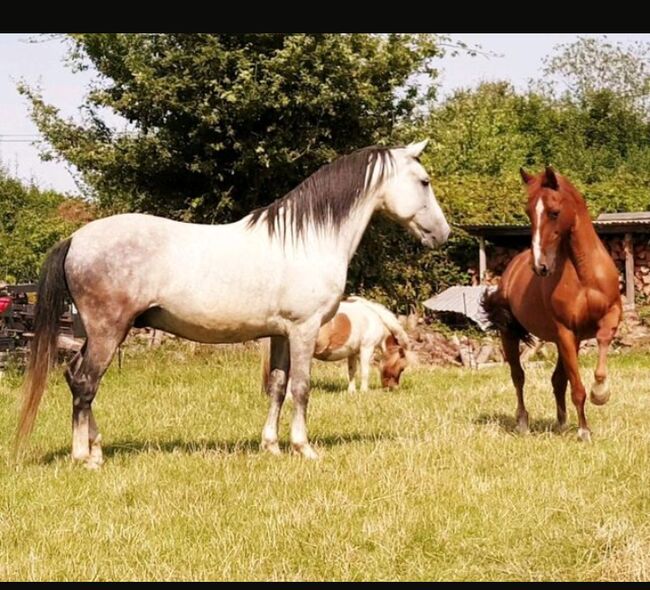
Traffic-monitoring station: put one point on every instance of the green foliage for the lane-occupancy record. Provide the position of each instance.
(223, 123)
(394, 268)
(31, 221)
(590, 65)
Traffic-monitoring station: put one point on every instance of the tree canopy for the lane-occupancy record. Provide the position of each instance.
(222, 123)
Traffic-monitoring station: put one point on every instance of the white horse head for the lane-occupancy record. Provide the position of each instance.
(407, 197)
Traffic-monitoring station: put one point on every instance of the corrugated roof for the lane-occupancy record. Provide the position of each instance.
(604, 223)
(463, 300)
(640, 216)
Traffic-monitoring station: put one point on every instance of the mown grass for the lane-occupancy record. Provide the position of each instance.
(428, 483)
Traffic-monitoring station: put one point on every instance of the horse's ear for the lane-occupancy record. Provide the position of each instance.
(550, 180)
(415, 149)
(527, 178)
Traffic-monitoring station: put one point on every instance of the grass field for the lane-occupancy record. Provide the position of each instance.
(428, 483)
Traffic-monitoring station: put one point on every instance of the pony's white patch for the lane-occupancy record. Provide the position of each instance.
(537, 241)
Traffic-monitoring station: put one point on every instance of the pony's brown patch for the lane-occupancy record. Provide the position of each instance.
(333, 335)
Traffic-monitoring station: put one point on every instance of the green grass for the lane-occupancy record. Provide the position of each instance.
(427, 483)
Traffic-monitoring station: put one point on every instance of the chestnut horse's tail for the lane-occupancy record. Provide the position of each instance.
(501, 318)
(52, 291)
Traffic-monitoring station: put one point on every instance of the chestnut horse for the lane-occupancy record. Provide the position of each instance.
(564, 290)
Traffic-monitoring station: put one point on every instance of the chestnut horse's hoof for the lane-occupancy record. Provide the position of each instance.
(522, 423)
(584, 435)
(599, 393)
(560, 427)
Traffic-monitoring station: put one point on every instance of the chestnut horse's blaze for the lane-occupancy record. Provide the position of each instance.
(564, 289)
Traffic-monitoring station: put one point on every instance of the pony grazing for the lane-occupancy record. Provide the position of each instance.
(279, 272)
(564, 290)
(358, 329)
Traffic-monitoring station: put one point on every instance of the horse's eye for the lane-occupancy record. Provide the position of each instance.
(425, 182)
(553, 214)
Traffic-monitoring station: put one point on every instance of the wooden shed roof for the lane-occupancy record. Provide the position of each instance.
(605, 223)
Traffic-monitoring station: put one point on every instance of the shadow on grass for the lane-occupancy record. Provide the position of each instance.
(241, 446)
(342, 387)
(508, 424)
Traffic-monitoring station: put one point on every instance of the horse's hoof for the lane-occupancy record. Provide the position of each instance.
(93, 465)
(522, 426)
(96, 454)
(272, 447)
(305, 450)
(560, 427)
(80, 459)
(584, 435)
(599, 393)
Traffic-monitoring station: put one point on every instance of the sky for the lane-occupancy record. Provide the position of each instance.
(40, 61)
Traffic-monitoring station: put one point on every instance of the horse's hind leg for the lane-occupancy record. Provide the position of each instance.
(277, 388)
(559, 381)
(511, 352)
(606, 331)
(83, 376)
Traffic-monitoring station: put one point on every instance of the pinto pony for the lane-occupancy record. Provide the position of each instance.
(279, 272)
(563, 290)
(359, 328)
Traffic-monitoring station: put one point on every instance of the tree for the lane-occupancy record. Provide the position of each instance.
(591, 65)
(224, 123)
(31, 221)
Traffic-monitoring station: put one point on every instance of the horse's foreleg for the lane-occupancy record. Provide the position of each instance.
(567, 346)
(606, 331)
(302, 341)
(278, 377)
(559, 381)
(352, 372)
(511, 352)
(366, 358)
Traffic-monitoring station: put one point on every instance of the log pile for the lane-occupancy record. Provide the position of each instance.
(498, 257)
(432, 347)
(616, 248)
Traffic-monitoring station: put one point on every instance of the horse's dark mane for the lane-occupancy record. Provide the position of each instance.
(325, 198)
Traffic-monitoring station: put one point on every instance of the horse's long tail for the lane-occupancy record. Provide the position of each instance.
(498, 311)
(52, 290)
(387, 317)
